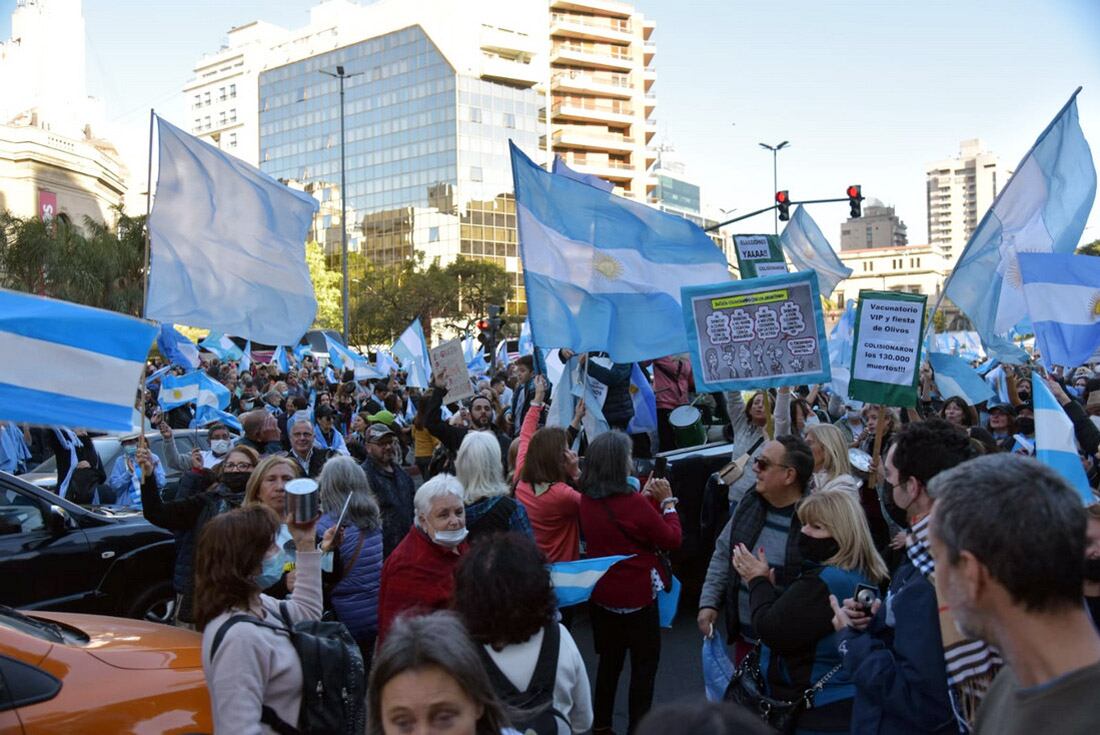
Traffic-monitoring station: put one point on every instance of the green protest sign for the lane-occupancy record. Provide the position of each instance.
(759, 255)
(886, 348)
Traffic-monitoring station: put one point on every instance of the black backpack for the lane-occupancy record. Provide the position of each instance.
(535, 706)
(334, 683)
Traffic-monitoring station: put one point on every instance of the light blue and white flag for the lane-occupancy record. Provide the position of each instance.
(840, 350)
(1042, 208)
(955, 377)
(1055, 444)
(477, 365)
(227, 244)
(245, 365)
(197, 387)
(502, 354)
(206, 414)
(340, 356)
(573, 581)
(808, 250)
(156, 374)
(604, 273)
(412, 350)
(177, 348)
(526, 344)
(385, 363)
(1062, 292)
(301, 351)
(562, 170)
(645, 403)
(279, 359)
(222, 346)
(62, 364)
(468, 347)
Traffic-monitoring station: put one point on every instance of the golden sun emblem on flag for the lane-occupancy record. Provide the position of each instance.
(607, 266)
(177, 393)
(1094, 306)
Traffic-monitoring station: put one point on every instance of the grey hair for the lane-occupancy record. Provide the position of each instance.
(1021, 520)
(439, 486)
(298, 420)
(478, 468)
(342, 476)
(438, 640)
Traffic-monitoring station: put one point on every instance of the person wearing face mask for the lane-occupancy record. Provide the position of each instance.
(255, 674)
(391, 485)
(797, 640)
(911, 671)
(217, 434)
(188, 515)
(419, 574)
(125, 480)
(850, 422)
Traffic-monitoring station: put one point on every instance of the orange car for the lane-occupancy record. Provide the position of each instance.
(71, 673)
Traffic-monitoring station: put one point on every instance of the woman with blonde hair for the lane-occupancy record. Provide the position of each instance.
(797, 649)
(832, 470)
(267, 484)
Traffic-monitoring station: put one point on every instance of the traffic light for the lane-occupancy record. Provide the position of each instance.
(855, 200)
(783, 202)
(485, 335)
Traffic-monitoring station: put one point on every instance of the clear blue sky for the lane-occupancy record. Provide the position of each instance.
(867, 92)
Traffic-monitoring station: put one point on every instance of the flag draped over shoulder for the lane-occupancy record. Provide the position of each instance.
(1043, 208)
(62, 364)
(806, 246)
(604, 273)
(1062, 292)
(227, 244)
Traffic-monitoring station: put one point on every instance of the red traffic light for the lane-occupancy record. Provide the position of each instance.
(483, 324)
(853, 192)
(782, 197)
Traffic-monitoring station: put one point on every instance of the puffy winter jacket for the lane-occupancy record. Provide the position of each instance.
(355, 596)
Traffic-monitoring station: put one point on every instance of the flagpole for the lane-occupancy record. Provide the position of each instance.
(148, 209)
(989, 212)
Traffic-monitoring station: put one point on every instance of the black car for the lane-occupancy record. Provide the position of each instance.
(56, 555)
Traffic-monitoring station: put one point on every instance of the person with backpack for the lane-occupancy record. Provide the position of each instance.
(489, 506)
(504, 596)
(253, 669)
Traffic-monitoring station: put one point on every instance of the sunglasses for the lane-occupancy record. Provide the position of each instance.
(762, 463)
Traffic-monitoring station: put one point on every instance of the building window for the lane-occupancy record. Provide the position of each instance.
(206, 122)
(221, 94)
(475, 173)
(509, 120)
(475, 114)
(232, 90)
(221, 118)
(198, 124)
(433, 234)
(198, 100)
(918, 262)
(206, 98)
(232, 140)
(840, 297)
(233, 115)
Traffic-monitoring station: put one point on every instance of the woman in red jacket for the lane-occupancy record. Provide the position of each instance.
(615, 520)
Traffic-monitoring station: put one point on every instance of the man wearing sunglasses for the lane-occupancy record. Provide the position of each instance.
(764, 524)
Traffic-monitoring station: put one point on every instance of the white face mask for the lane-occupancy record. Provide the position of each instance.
(219, 446)
(451, 538)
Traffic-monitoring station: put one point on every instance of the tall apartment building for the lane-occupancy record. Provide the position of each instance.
(879, 227)
(960, 190)
(601, 95)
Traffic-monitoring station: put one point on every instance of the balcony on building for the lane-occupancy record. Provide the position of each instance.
(513, 71)
(592, 110)
(591, 137)
(595, 7)
(593, 55)
(605, 84)
(591, 28)
(506, 42)
(600, 164)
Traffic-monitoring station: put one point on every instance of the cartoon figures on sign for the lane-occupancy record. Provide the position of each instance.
(712, 362)
(744, 359)
(773, 353)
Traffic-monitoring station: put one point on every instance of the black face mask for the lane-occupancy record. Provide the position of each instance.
(817, 550)
(1092, 570)
(1025, 426)
(897, 514)
(235, 481)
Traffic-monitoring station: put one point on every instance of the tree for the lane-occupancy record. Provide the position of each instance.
(389, 298)
(327, 289)
(1093, 248)
(479, 284)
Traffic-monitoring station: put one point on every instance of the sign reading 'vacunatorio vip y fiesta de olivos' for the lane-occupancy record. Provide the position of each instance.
(886, 348)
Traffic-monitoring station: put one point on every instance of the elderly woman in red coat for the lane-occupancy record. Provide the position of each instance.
(418, 575)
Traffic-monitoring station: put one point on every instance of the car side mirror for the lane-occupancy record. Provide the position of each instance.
(58, 521)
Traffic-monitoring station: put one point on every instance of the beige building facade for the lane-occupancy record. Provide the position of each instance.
(960, 190)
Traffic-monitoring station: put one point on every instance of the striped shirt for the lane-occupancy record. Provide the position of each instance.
(773, 539)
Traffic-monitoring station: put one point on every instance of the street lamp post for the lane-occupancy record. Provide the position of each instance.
(775, 172)
(343, 194)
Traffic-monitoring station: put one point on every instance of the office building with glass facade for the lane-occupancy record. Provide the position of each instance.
(427, 163)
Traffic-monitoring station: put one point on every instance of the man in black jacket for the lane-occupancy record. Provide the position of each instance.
(391, 484)
(310, 458)
(477, 417)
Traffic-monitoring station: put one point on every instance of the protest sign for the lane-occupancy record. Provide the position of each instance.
(756, 333)
(450, 371)
(886, 348)
(759, 255)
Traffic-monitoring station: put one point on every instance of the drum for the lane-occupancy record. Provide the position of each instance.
(687, 426)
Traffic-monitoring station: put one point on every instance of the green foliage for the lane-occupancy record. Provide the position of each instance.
(98, 266)
(327, 286)
(1093, 248)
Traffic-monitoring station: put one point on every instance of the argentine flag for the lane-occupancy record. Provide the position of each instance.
(604, 273)
(279, 359)
(207, 414)
(67, 365)
(177, 348)
(302, 351)
(412, 350)
(1062, 293)
(573, 581)
(1055, 444)
(562, 170)
(198, 388)
(1042, 208)
(645, 403)
(806, 246)
(222, 346)
(955, 377)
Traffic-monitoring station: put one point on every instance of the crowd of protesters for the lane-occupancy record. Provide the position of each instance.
(873, 570)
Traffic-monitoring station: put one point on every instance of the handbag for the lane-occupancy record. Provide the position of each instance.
(747, 688)
(732, 472)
